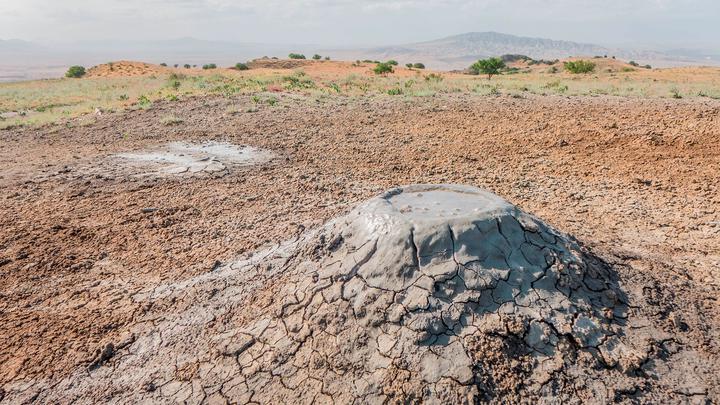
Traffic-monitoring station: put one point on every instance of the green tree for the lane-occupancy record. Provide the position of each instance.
(241, 66)
(392, 62)
(419, 65)
(490, 67)
(579, 66)
(383, 68)
(317, 57)
(75, 72)
(296, 56)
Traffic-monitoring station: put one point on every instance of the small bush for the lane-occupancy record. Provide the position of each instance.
(327, 58)
(675, 93)
(490, 67)
(395, 91)
(163, 64)
(175, 65)
(241, 66)
(633, 63)
(647, 67)
(409, 65)
(392, 62)
(553, 69)
(75, 72)
(383, 68)
(317, 57)
(299, 80)
(144, 102)
(296, 56)
(419, 65)
(186, 66)
(579, 66)
(209, 66)
(433, 77)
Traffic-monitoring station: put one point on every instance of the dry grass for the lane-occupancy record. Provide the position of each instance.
(39, 102)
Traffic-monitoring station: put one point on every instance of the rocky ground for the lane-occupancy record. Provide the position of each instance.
(84, 236)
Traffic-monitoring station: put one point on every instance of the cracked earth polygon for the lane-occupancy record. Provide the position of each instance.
(434, 293)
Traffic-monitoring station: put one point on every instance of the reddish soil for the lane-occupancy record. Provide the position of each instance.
(636, 180)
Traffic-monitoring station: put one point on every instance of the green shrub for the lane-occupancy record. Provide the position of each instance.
(296, 56)
(647, 67)
(241, 66)
(186, 66)
(434, 77)
(299, 80)
(633, 63)
(675, 93)
(209, 66)
(327, 58)
(367, 61)
(383, 68)
(163, 64)
(317, 57)
(392, 62)
(419, 65)
(144, 102)
(409, 65)
(395, 91)
(490, 67)
(579, 66)
(75, 72)
(175, 65)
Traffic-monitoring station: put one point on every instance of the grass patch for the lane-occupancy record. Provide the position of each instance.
(171, 120)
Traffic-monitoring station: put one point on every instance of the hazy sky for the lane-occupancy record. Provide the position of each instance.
(672, 23)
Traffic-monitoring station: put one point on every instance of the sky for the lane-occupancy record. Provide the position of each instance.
(653, 23)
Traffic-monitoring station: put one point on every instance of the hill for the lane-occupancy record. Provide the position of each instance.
(458, 51)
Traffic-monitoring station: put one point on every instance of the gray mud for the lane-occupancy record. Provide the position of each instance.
(439, 294)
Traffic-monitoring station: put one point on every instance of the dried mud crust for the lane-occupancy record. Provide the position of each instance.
(454, 289)
(636, 180)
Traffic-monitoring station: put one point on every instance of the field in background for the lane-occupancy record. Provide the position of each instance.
(132, 85)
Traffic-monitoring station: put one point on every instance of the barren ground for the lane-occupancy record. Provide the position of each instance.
(635, 180)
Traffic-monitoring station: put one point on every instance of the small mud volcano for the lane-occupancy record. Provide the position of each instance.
(193, 159)
(440, 294)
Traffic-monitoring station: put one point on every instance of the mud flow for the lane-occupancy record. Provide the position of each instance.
(192, 159)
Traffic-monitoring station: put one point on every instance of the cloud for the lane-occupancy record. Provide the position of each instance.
(359, 21)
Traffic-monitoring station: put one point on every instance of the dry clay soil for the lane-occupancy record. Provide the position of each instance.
(637, 181)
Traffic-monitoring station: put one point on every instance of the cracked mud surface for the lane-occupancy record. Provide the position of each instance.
(189, 160)
(99, 271)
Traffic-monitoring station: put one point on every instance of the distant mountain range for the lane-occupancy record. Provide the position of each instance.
(21, 60)
(459, 51)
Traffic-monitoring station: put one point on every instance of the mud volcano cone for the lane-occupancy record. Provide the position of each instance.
(435, 294)
(440, 293)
